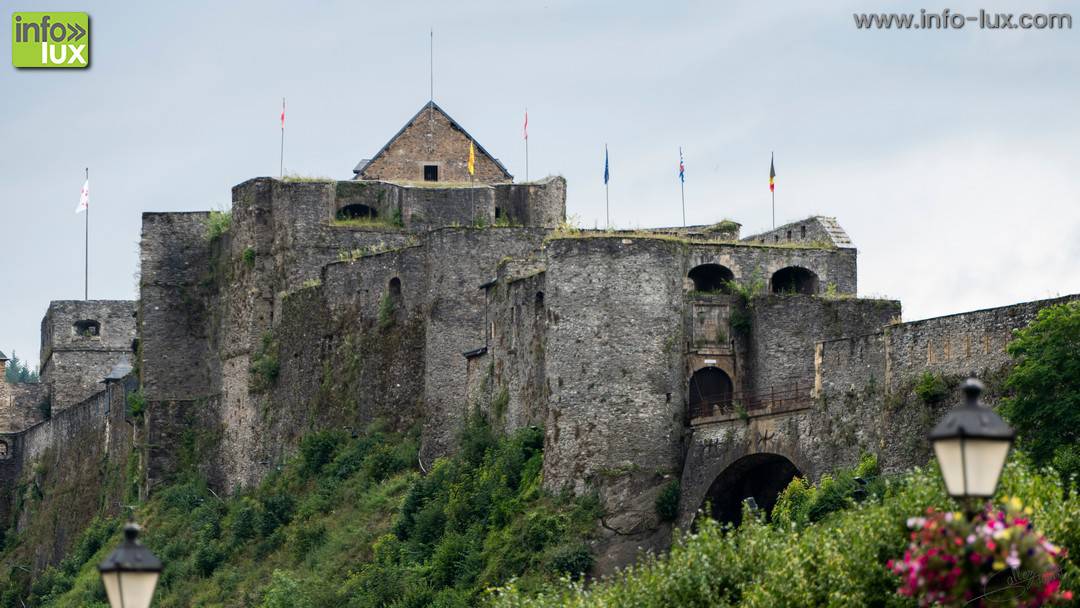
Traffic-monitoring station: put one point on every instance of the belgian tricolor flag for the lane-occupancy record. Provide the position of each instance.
(772, 174)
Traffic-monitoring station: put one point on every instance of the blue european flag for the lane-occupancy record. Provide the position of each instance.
(607, 174)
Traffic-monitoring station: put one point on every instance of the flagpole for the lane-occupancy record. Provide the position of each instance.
(682, 187)
(607, 195)
(281, 165)
(86, 252)
(526, 145)
(772, 186)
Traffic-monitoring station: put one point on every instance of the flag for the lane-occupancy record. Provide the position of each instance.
(607, 174)
(84, 197)
(282, 113)
(772, 174)
(472, 158)
(525, 129)
(682, 167)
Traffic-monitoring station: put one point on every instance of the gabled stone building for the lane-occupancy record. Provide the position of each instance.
(432, 148)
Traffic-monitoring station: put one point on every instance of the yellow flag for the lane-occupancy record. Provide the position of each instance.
(472, 159)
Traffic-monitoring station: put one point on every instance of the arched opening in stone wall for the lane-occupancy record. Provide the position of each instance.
(711, 278)
(356, 212)
(794, 279)
(87, 328)
(710, 389)
(393, 288)
(4, 452)
(760, 477)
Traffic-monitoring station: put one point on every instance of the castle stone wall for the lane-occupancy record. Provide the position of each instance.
(432, 208)
(52, 464)
(459, 262)
(541, 203)
(878, 371)
(518, 313)
(22, 405)
(784, 330)
(178, 360)
(614, 366)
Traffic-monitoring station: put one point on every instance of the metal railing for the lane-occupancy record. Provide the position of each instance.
(796, 393)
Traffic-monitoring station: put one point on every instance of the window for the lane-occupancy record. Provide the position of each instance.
(356, 212)
(802, 231)
(498, 213)
(431, 173)
(789, 235)
(87, 329)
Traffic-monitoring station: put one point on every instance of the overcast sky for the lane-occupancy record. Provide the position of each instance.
(950, 157)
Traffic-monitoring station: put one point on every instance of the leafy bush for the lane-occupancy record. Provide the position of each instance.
(1045, 385)
(218, 224)
(667, 502)
(265, 365)
(136, 403)
(249, 257)
(931, 388)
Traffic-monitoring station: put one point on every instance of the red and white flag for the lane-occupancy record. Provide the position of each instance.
(525, 129)
(282, 112)
(84, 197)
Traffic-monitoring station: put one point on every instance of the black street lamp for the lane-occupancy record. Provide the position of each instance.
(131, 572)
(971, 444)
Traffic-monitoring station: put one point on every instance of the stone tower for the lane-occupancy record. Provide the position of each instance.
(80, 342)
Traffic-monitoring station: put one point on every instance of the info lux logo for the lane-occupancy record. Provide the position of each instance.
(50, 40)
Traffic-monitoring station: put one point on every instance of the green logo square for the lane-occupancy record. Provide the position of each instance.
(50, 40)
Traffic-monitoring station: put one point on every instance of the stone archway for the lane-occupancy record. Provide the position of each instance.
(710, 389)
(711, 278)
(762, 477)
(794, 279)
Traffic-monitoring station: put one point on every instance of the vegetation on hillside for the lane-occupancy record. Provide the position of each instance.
(347, 522)
(794, 561)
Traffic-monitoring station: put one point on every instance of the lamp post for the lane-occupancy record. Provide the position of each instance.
(130, 573)
(971, 444)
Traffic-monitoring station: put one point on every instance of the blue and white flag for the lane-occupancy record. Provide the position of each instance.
(607, 174)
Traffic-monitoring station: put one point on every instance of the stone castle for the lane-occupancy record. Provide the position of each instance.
(414, 294)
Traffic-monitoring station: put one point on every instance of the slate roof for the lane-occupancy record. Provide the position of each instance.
(3, 357)
(119, 371)
(363, 164)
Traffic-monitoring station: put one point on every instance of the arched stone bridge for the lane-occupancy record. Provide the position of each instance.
(751, 446)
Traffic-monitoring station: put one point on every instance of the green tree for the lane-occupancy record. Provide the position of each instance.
(18, 372)
(1045, 386)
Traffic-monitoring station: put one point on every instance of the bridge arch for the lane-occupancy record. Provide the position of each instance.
(794, 279)
(761, 476)
(720, 455)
